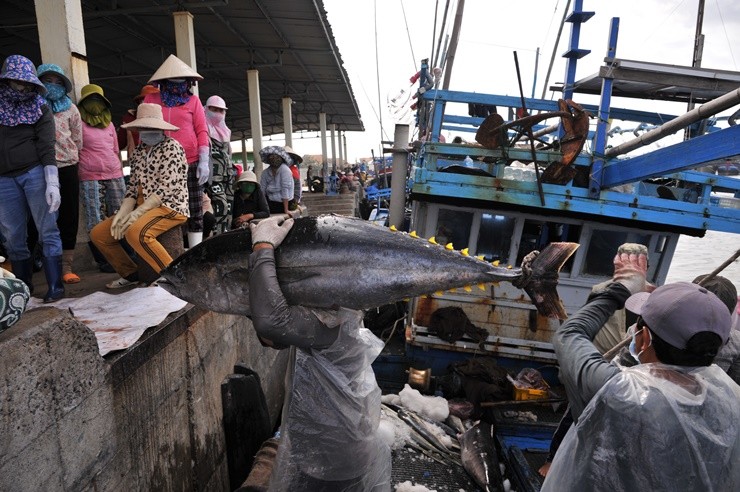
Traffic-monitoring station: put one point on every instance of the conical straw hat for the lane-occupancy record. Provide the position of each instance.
(174, 68)
(150, 116)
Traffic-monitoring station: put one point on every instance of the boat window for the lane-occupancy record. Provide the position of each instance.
(537, 234)
(494, 239)
(602, 248)
(453, 226)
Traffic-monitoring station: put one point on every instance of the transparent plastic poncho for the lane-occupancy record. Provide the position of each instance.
(654, 427)
(330, 420)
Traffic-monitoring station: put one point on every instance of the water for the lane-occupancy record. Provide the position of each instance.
(696, 256)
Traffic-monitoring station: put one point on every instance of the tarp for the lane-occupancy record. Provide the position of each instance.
(119, 320)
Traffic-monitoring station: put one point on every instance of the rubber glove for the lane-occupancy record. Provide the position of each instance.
(3, 272)
(116, 227)
(150, 203)
(202, 173)
(53, 198)
(630, 267)
(271, 230)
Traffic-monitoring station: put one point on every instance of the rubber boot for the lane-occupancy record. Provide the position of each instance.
(194, 239)
(23, 270)
(103, 264)
(68, 276)
(53, 273)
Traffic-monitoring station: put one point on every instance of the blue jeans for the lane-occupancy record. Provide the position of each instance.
(22, 195)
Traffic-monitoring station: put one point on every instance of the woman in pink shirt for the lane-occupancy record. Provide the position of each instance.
(182, 109)
(101, 174)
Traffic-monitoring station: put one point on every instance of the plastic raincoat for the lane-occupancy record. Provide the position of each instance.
(329, 439)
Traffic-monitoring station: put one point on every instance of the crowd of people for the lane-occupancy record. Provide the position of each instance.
(58, 155)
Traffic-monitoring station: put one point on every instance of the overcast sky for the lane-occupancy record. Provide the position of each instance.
(650, 30)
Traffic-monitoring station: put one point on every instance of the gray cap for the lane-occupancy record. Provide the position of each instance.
(676, 312)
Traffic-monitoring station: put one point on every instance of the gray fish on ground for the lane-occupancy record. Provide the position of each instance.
(479, 458)
(331, 261)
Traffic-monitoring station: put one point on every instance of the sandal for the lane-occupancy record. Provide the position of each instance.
(70, 278)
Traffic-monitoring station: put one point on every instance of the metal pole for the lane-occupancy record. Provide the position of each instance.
(529, 133)
(555, 49)
(453, 44)
(255, 118)
(398, 179)
(712, 107)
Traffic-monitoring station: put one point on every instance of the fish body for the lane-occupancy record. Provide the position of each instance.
(331, 261)
(479, 458)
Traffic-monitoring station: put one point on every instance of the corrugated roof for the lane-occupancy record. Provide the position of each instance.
(290, 42)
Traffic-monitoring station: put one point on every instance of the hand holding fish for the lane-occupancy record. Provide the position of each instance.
(630, 267)
(270, 231)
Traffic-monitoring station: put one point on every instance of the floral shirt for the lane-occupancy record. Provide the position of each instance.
(163, 171)
(69, 136)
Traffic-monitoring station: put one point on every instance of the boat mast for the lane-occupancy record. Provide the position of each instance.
(696, 58)
(453, 45)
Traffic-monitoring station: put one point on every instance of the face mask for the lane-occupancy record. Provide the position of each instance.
(94, 105)
(151, 137)
(215, 117)
(247, 188)
(633, 344)
(54, 92)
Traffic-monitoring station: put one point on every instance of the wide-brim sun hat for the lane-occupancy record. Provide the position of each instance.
(277, 150)
(216, 102)
(21, 69)
(56, 70)
(145, 91)
(174, 68)
(296, 158)
(676, 312)
(246, 176)
(149, 116)
(93, 89)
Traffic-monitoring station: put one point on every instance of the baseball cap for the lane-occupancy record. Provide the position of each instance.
(676, 312)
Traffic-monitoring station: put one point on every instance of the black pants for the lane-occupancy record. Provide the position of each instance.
(69, 210)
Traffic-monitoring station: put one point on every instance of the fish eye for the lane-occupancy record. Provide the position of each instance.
(180, 274)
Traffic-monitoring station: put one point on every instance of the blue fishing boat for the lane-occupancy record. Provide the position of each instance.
(531, 184)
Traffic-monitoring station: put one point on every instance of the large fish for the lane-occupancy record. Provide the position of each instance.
(332, 260)
(479, 458)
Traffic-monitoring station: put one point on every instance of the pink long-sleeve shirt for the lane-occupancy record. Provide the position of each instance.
(99, 154)
(190, 118)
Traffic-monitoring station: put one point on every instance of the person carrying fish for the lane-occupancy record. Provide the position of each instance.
(329, 433)
(156, 199)
(670, 423)
(277, 180)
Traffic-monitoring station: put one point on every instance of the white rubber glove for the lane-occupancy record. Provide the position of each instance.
(204, 155)
(630, 267)
(116, 227)
(53, 198)
(150, 203)
(271, 230)
(3, 272)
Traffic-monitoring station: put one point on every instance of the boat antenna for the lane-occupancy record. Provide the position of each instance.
(408, 35)
(434, 29)
(377, 71)
(436, 59)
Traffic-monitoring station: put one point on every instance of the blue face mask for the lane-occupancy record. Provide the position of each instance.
(633, 344)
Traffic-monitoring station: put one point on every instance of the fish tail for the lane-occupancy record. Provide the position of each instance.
(541, 283)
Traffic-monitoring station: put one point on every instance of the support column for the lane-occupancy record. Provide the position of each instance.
(341, 149)
(344, 142)
(398, 178)
(62, 39)
(324, 160)
(333, 147)
(255, 118)
(288, 120)
(185, 40)
(244, 153)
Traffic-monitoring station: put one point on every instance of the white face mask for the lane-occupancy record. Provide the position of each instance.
(151, 137)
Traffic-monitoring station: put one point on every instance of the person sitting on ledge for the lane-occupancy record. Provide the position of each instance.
(156, 199)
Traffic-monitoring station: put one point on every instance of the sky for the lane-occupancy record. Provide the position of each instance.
(650, 30)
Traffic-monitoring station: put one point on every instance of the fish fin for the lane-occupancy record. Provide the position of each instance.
(542, 285)
(449, 246)
(482, 287)
(393, 228)
(495, 263)
(464, 252)
(432, 240)
(413, 234)
(468, 288)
